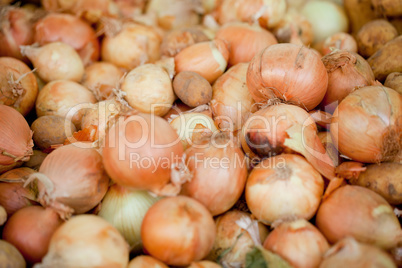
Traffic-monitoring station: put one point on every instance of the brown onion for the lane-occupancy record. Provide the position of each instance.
(290, 72)
(284, 186)
(144, 261)
(178, 230)
(347, 71)
(19, 88)
(15, 139)
(361, 213)
(10, 256)
(343, 41)
(30, 230)
(367, 125)
(58, 27)
(294, 28)
(298, 242)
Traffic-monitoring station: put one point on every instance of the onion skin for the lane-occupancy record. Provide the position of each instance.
(30, 230)
(366, 125)
(145, 261)
(290, 72)
(10, 256)
(15, 139)
(298, 242)
(285, 173)
(178, 230)
(361, 213)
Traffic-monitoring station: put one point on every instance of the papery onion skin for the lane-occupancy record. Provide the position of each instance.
(145, 261)
(178, 230)
(284, 186)
(30, 230)
(361, 213)
(10, 256)
(367, 125)
(58, 27)
(15, 140)
(83, 236)
(290, 72)
(347, 71)
(298, 242)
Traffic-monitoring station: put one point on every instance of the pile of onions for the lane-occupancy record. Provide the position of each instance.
(343, 41)
(367, 125)
(282, 187)
(71, 180)
(62, 98)
(10, 256)
(83, 236)
(294, 28)
(219, 174)
(30, 230)
(231, 102)
(58, 27)
(350, 253)
(132, 45)
(289, 72)
(236, 235)
(15, 139)
(244, 40)
(143, 152)
(361, 213)
(298, 242)
(13, 194)
(347, 71)
(125, 210)
(19, 88)
(145, 261)
(16, 29)
(178, 230)
(148, 88)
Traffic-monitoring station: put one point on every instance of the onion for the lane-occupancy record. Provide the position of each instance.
(342, 41)
(142, 152)
(145, 261)
(244, 40)
(326, 17)
(60, 97)
(101, 78)
(361, 213)
(86, 241)
(349, 253)
(57, 27)
(178, 230)
(290, 72)
(134, 44)
(30, 230)
(204, 264)
(125, 210)
(347, 71)
(19, 88)
(231, 101)
(298, 242)
(13, 194)
(219, 174)
(148, 88)
(284, 186)
(10, 256)
(16, 29)
(366, 125)
(71, 180)
(236, 235)
(294, 28)
(15, 139)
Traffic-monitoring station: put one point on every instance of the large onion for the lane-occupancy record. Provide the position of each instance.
(367, 125)
(361, 213)
(290, 72)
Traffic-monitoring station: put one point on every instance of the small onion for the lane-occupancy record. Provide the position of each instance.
(290, 72)
(350, 253)
(145, 261)
(55, 61)
(347, 71)
(84, 236)
(284, 186)
(15, 139)
(366, 125)
(30, 230)
(19, 88)
(361, 213)
(343, 41)
(125, 210)
(298, 242)
(294, 28)
(10, 256)
(178, 230)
